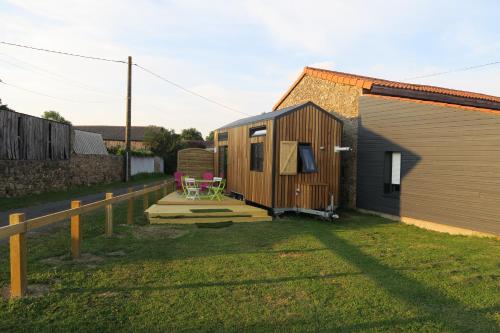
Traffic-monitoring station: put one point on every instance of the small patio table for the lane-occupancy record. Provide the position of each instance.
(208, 182)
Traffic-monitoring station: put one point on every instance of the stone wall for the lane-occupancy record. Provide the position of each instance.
(22, 177)
(343, 101)
(95, 169)
(32, 177)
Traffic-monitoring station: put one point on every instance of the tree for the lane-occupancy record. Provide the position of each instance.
(191, 134)
(210, 136)
(4, 107)
(164, 143)
(56, 116)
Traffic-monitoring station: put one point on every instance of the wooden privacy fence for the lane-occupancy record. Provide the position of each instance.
(24, 137)
(18, 227)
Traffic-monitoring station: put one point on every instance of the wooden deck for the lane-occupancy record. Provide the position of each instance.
(176, 209)
(175, 198)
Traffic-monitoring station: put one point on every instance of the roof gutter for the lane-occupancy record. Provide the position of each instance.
(434, 97)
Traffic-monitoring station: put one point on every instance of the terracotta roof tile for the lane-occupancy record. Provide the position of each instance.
(348, 79)
(367, 82)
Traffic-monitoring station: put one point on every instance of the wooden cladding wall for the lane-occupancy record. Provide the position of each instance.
(194, 162)
(312, 196)
(315, 126)
(450, 162)
(24, 137)
(256, 186)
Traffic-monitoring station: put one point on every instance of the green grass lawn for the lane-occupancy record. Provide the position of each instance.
(74, 192)
(296, 274)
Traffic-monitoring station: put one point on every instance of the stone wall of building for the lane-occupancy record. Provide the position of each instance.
(137, 145)
(343, 101)
(23, 177)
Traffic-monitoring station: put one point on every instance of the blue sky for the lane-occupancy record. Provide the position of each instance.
(244, 54)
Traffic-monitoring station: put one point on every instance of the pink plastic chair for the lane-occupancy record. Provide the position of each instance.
(178, 179)
(207, 176)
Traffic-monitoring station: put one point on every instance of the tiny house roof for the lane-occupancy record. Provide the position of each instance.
(272, 115)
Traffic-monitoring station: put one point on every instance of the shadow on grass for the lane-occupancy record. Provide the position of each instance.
(249, 282)
(448, 312)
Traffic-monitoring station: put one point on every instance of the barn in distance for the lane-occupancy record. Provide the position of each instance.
(286, 160)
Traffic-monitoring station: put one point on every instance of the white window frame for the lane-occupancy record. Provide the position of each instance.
(396, 168)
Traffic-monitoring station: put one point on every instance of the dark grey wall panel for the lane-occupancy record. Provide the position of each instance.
(450, 162)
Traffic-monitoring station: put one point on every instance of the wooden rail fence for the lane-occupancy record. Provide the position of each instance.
(18, 227)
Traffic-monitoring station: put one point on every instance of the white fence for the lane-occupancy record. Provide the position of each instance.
(146, 164)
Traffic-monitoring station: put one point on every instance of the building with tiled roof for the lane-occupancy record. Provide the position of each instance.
(114, 136)
(418, 152)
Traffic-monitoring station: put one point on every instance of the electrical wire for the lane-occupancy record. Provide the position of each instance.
(63, 53)
(453, 71)
(49, 96)
(52, 75)
(190, 91)
(124, 62)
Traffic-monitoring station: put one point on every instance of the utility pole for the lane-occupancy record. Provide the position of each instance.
(129, 115)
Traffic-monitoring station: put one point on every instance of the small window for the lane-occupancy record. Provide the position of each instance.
(307, 164)
(222, 136)
(257, 156)
(258, 131)
(392, 172)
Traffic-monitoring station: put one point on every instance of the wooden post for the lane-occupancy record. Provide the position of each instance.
(75, 231)
(145, 199)
(18, 260)
(164, 188)
(130, 208)
(128, 120)
(157, 195)
(108, 227)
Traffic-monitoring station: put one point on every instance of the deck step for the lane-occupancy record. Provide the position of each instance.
(196, 211)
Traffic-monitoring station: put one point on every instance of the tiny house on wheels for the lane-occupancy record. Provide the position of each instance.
(286, 160)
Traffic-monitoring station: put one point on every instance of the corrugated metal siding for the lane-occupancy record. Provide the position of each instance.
(87, 143)
(450, 170)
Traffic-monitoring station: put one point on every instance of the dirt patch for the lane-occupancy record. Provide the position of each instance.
(158, 232)
(116, 254)
(290, 254)
(85, 258)
(88, 258)
(34, 290)
(108, 294)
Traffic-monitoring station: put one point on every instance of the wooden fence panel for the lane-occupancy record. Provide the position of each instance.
(9, 135)
(24, 137)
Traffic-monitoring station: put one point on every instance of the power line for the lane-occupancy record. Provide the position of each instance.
(453, 71)
(64, 53)
(46, 95)
(124, 62)
(75, 83)
(190, 91)
(51, 74)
